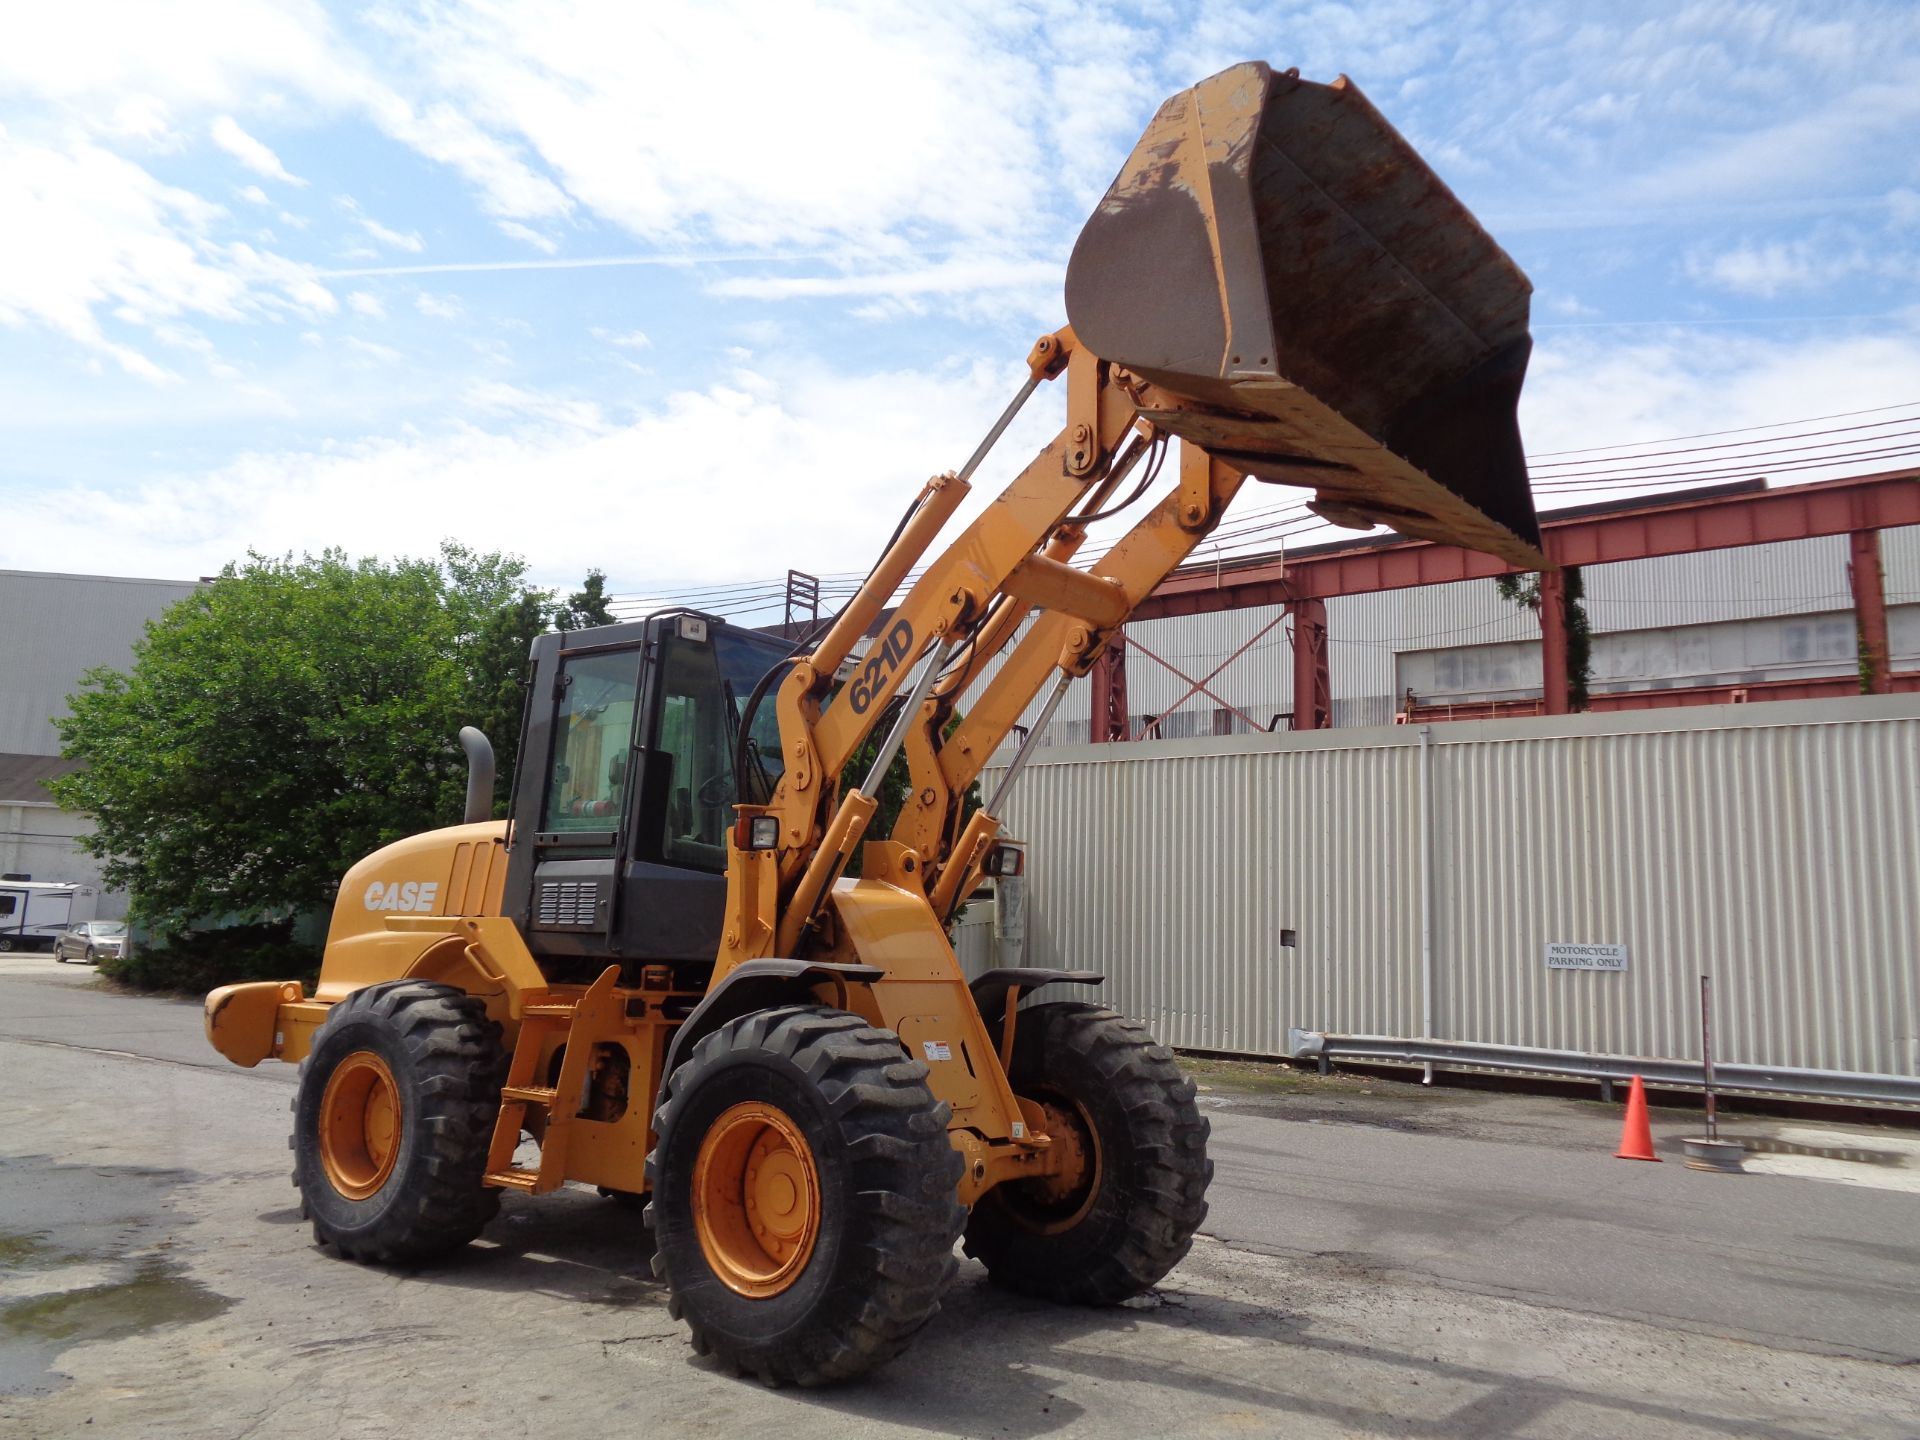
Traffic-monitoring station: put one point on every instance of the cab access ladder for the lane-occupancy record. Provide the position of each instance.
(579, 1018)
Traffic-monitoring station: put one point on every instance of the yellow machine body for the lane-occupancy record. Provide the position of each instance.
(428, 908)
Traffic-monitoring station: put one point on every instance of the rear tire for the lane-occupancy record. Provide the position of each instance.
(392, 1122)
(1116, 1229)
(828, 1108)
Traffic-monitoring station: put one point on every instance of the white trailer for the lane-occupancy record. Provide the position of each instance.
(33, 912)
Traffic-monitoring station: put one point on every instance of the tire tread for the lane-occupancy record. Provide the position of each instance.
(898, 1255)
(1166, 1193)
(458, 1056)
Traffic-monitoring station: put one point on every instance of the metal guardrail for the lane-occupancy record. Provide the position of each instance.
(1839, 1085)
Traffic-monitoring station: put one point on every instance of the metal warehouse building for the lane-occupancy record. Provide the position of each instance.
(53, 629)
(1741, 622)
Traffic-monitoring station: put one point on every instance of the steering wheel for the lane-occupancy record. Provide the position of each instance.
(715, 791)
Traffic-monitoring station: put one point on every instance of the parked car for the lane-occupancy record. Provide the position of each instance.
(91, 941)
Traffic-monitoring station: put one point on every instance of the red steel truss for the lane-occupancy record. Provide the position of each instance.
(1858, 506)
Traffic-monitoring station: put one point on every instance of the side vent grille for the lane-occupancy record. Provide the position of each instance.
(566, 904)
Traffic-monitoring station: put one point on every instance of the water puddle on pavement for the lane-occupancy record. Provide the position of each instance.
(90, 1263)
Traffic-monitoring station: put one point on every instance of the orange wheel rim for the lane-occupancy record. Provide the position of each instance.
(360, 1125)
(1053, 1204)
(756, 1200)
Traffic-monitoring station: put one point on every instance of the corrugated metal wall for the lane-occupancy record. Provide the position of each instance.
(56, 628)
(1774, 847)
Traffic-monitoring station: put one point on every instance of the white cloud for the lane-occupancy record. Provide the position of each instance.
(1588, 390)
(527, 235)
(253, 195)
(837, 120)
(137, 62)
(92, 236)
(776, 448)
(132, 71)
(385, 234)
(631, 340)
(942, 279)
(252, 153)
(438, 307)
(507, 185)
(372, 350)
(495, 397)
(364, 302)
(1826, 257)
(1571, 306)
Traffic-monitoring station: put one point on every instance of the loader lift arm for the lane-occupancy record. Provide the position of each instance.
(955, 619)
(1278, 281)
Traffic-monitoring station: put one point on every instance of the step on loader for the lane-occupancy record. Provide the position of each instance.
(658, 970)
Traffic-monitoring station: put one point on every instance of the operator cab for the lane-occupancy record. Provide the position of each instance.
(625, 789)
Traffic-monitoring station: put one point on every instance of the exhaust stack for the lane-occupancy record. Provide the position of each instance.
(479, 775)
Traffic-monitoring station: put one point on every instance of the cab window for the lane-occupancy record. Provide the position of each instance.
(703, 690)
(592, 740)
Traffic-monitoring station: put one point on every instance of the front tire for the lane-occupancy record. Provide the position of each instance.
(804, 1207)
(1126, 1212)
(392, 1122)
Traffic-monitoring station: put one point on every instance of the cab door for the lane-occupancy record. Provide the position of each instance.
(579, 836)
(673, 880)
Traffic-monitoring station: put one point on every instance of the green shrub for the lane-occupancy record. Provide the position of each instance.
(195, 961)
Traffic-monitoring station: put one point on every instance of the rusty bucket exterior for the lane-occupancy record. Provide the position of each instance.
(1308, 298)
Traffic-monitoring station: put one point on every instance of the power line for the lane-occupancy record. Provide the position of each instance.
(1758, 468)
(1740, 430)
(1756, 457)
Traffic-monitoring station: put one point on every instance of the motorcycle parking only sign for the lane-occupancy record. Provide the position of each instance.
(1564, 955)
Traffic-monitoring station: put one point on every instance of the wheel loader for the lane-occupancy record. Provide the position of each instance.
(658, 971)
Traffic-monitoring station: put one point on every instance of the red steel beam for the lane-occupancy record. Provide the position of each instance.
(1869, 586)
(1670, 527)
(1555, 680)
(1110, 720)
(1312, 673)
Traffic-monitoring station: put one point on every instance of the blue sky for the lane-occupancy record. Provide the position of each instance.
(697, 293)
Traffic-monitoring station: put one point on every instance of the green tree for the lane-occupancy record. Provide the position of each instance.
(293, 716)
(1524, 591)
(499, 668)
(895, 785)
(585, 607)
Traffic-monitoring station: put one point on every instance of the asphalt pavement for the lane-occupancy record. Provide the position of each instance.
(1380, 1260)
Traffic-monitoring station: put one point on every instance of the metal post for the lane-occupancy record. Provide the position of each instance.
(1426, 895)
(1553, 643)
(1312, 682)
(1868, 582)
(1706, 1054)
(1109, 699)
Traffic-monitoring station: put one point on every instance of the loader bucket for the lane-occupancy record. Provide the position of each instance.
(1306, 298)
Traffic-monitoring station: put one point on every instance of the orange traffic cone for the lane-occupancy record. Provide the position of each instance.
(1636, 1136)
